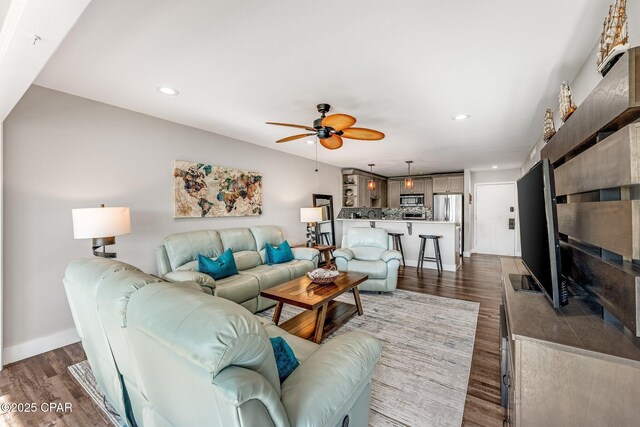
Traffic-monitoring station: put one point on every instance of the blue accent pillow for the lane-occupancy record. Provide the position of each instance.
(280, 254)
(285, 359)
(219, 268)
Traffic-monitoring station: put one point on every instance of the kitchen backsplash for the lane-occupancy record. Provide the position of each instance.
(383, 213)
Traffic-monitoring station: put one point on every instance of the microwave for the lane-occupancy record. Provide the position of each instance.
(411, 200)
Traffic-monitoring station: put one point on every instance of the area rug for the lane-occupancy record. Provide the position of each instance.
(427, 341)
(82, 373)
(422, 377)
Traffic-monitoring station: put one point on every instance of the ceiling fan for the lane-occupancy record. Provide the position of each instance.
(331, 129)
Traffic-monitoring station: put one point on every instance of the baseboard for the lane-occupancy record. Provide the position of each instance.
(39, 345)
(467, 254)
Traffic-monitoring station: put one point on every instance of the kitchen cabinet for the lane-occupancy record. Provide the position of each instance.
(448, 184)
(383, 193)
(393, 193)
(363, 192)
(428, 192)
(456, 184)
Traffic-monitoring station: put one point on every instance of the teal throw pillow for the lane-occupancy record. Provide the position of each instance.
(279, 254)
(219, 268)
(285, 359)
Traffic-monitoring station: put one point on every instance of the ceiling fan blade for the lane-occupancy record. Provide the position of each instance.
(362, 133)
(332, 143)
(339, 121)
(292, 137)
(291, 126)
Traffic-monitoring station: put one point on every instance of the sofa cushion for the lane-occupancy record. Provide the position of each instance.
(374, 269)
(367, 253)
(238, 288)
(280, 254)
(212, 333)
(185, 247)
(366, 237)
(116, 289)
(219, 268)
(298, 267)
(267, 234)
(269, 275)
(247, 259)
(238, 239)
(286, 361)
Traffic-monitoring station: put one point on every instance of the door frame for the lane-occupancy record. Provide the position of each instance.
(516, 240)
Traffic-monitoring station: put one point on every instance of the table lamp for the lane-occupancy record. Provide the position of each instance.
(310, 216)
(101, 225)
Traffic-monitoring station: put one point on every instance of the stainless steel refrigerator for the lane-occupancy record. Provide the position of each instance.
(447, 207)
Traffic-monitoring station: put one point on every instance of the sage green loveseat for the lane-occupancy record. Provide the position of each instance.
(177, 260)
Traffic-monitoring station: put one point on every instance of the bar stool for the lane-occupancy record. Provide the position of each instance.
(397, 243)
(436, 250)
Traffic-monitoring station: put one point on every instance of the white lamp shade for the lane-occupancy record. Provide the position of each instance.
(92, 223)
(310, 214)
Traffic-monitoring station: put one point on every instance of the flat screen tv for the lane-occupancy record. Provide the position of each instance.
(539, 231)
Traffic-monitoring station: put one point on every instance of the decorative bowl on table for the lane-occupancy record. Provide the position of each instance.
(322, 276)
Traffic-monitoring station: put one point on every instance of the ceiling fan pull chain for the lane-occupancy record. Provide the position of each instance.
(316, 154)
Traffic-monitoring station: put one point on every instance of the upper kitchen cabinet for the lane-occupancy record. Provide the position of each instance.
(448, 184)
(428, 192)
(393, 192)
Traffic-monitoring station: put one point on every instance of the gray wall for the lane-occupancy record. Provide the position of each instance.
(63, 152)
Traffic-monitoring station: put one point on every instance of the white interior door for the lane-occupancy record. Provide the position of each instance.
(495, 206)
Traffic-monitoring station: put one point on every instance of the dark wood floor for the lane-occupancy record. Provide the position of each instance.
(477, 280)
(45, 378)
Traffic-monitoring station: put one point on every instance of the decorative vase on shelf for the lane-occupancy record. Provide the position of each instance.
(349, 192)
(549, 128)
(567, 107)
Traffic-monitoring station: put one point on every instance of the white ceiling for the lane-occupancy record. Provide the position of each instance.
(404, 68)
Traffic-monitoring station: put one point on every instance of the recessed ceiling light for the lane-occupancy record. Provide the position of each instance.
(494, 167)
(310, 141)
(461, 117)
(165, 90)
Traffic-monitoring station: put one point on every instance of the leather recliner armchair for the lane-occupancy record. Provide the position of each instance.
(167, 354)
(367, 250)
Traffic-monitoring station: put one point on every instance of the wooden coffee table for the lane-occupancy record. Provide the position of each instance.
(323, 313)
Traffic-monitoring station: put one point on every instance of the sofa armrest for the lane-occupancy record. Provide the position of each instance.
(305, 253)
(343, 253)
(202, 279)
(390, 254)
(322, 389)
(238, 386)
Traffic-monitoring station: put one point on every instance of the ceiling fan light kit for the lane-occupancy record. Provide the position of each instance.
(331, 129)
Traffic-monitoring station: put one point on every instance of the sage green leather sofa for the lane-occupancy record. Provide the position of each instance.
(177, 260)
(168, 354)
(368, 251)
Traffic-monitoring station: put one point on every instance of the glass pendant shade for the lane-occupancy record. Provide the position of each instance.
(408, 183)
(371, 184)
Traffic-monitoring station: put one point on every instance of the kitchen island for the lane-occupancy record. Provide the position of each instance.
(412, 228)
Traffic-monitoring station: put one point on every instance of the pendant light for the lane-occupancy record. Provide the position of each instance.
(408, 181)
(371, 184)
